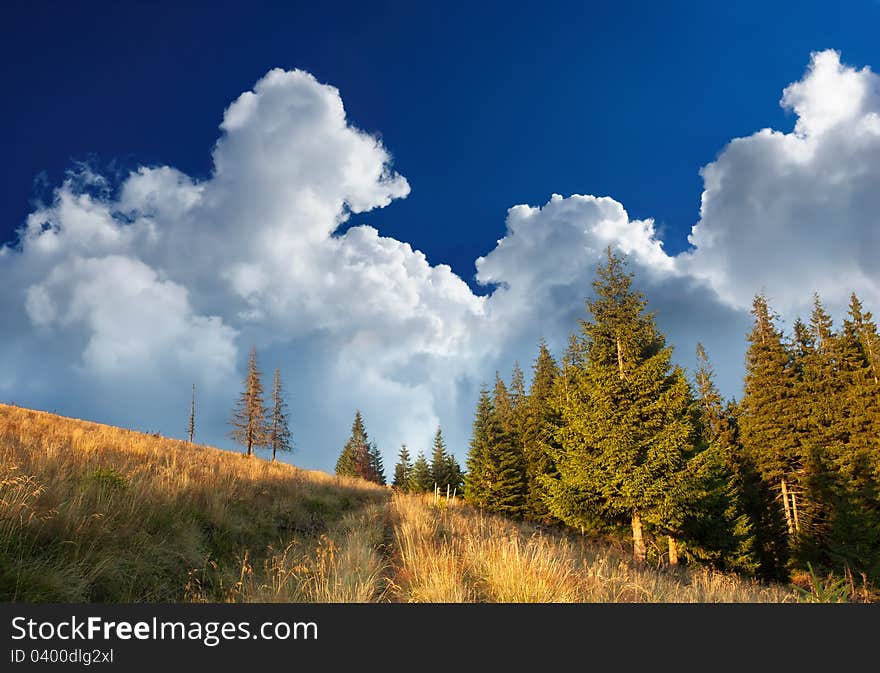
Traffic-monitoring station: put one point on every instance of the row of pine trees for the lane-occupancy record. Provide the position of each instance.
(420, 476)
(360, 457)
(618, 438)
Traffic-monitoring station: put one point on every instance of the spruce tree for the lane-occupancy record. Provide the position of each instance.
(861, 328)
(495, 478)
(456, 475)
(506, 463)
(403, 471)
(440, 475)
(629, 432)
(859, 347)
(249, 421)
(822, 436)
(421, 474)
(718, 520)
(279, 431)
(358, 458)
(376, 465)
(477, 482)
(768, 421)
(445, 470)
(517, 387)
(847, 481)
(540, 422)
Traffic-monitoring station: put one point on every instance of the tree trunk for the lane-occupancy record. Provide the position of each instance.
(639, 552)
(797, 523)
(785, 504)
(619, 358)
(673, 552)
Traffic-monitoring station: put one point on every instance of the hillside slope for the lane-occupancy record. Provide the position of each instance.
(94, 513)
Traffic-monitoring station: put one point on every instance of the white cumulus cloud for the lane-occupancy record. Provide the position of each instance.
(793, 213)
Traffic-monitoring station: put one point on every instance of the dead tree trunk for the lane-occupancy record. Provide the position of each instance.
(673, 552)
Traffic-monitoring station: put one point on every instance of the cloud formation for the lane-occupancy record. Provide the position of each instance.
(120, 296)
(793, 213)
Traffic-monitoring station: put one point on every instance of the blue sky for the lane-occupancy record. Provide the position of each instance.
(482, 105)
(477, 107)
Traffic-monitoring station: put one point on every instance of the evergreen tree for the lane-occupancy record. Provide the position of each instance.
(445, 470)
(843, 516)
(862, 330)
(456, 476)
(718, 520)
(439, 462)
(477, 480)
(249, 423)
(403, 471)
(422, 480)
(517, 387)
(496, 479)
(821, 434)
(629, 431)
(502, 403)
(376, 465)
(540, 422)
(358, 458)
(506, 463)
(769, 428)
(279, 431)
(859, 347)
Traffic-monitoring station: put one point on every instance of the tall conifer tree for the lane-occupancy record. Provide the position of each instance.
(477, 479)
(624, 451)
(540, 422)
(721, 482)
(403, 471)
(421, 475)
(358, 457)
(768, 423)
(440, 472)
(377, 466)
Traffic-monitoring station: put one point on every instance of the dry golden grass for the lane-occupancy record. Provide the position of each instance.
(90, 512)
(456, 554)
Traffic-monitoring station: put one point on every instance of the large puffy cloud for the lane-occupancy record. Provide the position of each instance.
(793, 213)
(163, 279)
(119, 296)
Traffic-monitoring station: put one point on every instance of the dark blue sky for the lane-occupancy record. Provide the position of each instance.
(483, 105)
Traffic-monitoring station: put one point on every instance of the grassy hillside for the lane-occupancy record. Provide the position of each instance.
(92, 513)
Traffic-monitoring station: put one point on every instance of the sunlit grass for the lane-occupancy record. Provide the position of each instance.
(457, 554)
(94, 513)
